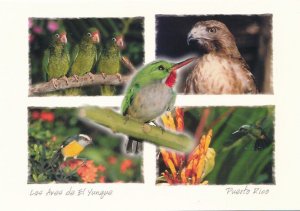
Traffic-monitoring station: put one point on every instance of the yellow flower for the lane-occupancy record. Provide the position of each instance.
(193, 168)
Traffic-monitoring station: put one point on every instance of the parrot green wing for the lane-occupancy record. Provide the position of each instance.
(45, 63)
(74, 53)
(130, 94)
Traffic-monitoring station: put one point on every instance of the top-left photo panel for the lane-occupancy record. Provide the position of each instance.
(83, 56)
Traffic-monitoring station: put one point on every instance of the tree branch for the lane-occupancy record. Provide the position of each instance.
(85, 80)
(118, 123)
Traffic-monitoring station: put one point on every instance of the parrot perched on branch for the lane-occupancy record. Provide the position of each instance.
(151, 93)
(110, 62)
(84, 56)
(56, 59)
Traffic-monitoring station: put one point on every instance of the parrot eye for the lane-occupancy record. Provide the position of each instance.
(89, 34)
(212, 30)
(161, 67)
(114, 39)
(57, 35)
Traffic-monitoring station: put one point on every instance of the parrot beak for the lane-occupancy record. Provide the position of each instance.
(181, 64)
(63, 38)
(96, 37)
(120, 42)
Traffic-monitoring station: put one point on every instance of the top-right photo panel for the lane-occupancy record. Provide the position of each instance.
(233, 52)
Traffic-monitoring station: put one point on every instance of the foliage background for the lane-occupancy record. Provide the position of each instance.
(48, 128)
(40, 31)
(236, 161)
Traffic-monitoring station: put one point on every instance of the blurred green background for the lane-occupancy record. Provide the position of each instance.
(236, 160)
(40, 31)
(48, 128)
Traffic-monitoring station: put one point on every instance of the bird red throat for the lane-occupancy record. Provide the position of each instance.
(171, 80)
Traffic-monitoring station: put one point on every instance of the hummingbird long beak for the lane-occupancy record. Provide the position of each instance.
(181, 64)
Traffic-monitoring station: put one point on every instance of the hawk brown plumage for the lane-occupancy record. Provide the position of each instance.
(222, 69)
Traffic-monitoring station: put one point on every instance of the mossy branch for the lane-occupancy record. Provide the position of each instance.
(85, 80)
(155, 135)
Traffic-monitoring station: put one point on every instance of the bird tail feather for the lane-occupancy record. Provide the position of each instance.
(108, 90)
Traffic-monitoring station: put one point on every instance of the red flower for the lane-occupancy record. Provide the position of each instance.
(102, 179)
(88, 171)
(47, 116)
(125, 165)
(101, 168)
(112, 159)
(35, 115)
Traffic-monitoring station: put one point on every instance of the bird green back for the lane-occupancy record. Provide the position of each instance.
(56, 59)
(149, 74)
(109, 64)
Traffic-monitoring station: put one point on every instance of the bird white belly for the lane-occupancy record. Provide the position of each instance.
(151, 102)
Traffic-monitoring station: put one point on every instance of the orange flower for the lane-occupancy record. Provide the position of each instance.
(101, 168)
(112, 159)
(102, 179)
(199, 162)
(88, 171)
(125, 165)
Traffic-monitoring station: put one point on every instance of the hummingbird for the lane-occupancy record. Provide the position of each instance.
(151, 93)
(254, 132)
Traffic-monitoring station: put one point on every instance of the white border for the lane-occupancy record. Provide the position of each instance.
(14, 192)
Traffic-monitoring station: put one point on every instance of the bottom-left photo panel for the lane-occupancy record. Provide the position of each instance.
(63, 148)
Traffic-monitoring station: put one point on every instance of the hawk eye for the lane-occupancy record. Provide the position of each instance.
(57, 35)
(114, 39)
(89, 34)
(160, 67)
(212, 30)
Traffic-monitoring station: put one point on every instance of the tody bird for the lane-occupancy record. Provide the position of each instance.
(222, 69)
(56, 59)
(110, 62)
(151, 93)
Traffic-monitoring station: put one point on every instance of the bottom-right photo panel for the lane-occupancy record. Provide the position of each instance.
(234, 145)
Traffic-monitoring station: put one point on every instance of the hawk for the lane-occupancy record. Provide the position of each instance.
(222, 69)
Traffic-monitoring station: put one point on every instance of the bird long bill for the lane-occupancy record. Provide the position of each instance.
(183, 63)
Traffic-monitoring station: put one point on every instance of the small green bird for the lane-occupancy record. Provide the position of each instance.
(110, 62)
(84, 56)
(56, 59)
(150, 93)
(254, 132)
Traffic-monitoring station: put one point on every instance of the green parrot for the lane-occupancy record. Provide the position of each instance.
(110, 62)
(84, 57)
(56, 59)
(255, 133)
(150, 94)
